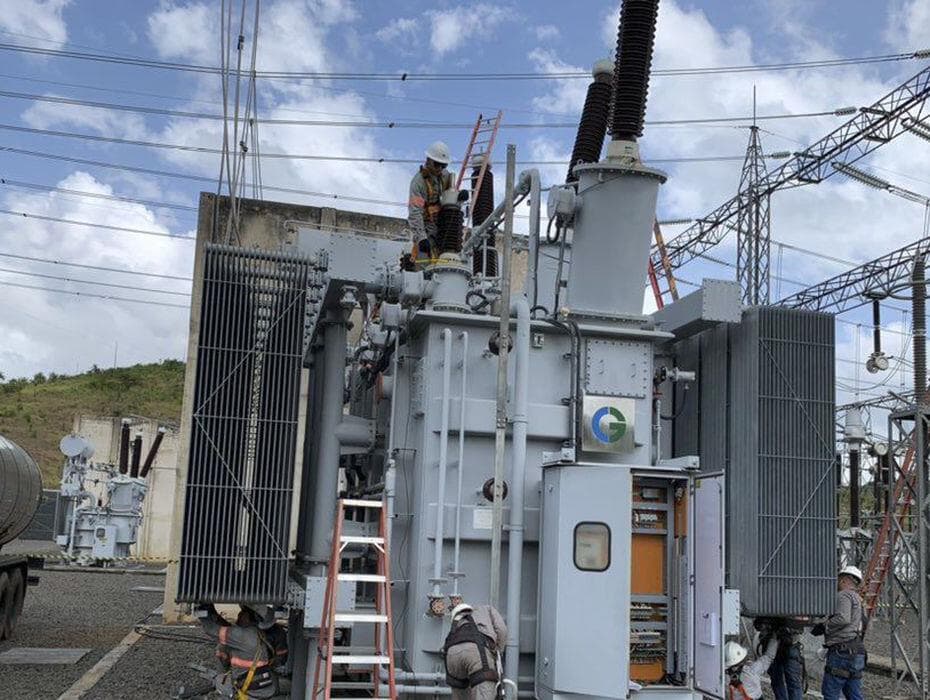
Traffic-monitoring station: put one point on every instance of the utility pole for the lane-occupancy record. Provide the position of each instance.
(115, 352)
(753, 223)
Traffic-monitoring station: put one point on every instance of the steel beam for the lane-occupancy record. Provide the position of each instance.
(873, 126)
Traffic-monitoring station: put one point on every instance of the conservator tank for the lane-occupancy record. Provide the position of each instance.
(20, 489)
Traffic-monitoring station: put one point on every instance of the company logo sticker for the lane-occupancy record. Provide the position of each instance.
(608, 424)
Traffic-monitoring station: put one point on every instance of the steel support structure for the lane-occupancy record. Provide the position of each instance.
(897, 112)
(908, 589)
(753, 226)
(856, 287)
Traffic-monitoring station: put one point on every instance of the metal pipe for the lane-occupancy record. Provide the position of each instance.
(153, 451)
(457, 572)
(500, 435)
(533, 257)
(390, 472)
(521, 309)
(443, 459)
(327, 462)
(520, 190)
(124, 447)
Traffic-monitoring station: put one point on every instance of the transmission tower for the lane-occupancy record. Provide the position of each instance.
(753, 224)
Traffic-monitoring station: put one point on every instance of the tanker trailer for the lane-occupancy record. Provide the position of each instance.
(20, 494)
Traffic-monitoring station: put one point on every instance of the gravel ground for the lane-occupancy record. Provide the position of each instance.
(74, 609)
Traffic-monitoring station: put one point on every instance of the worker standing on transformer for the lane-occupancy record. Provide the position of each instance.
(472, 652)
(247, 650)
(746, 679)
(842, 632)
(426, 188)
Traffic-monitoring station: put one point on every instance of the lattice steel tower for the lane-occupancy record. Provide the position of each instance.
(753, 223)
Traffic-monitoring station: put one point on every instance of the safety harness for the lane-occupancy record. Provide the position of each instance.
(468, 633)
(434, 187)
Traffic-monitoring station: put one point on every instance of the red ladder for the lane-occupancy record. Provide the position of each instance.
(478, 153)
(882, 557)
(666, 270)
(330, 654)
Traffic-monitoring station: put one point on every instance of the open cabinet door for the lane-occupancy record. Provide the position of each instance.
(707, 567)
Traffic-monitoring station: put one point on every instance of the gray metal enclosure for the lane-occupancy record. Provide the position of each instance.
(762, 409)
(235, 540)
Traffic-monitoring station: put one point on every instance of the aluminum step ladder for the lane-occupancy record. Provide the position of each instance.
(381, 657)
(478, 154)
(666, 268)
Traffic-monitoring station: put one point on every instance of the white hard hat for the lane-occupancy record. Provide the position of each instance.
(460, 609)
(733, 654)
(439, 152)
(852, 571)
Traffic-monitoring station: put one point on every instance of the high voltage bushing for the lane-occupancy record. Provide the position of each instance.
(481, 209)
(593, 125)
(449, 229)
(635, 40)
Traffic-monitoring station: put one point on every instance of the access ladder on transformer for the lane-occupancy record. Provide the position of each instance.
(666, 270)
(882, 557)
(478, 153)
(382, 656)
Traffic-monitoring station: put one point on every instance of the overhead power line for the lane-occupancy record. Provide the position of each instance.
(95, 195)
(101, 268)
(399, 124)
(306, 156)
(95, 296)
(410, 76)
(90, 224)
(99, 284)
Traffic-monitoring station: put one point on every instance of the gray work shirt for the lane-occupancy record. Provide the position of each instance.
(845, 624)
(423, 206)
(490, 623)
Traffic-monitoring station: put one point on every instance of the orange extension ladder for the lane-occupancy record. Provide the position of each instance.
(657, 291)
(478, 153)
(382, 656)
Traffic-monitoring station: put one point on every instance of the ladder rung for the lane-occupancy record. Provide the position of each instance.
(365, 578)
(359, 503)
(359, 659)
(358, 539)
(359, 617)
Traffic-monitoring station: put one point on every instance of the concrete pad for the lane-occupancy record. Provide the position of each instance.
(42, 655)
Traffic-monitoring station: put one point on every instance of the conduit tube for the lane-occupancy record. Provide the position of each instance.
(443, 458)
(521, 309)
(327, 463)
(456, 572)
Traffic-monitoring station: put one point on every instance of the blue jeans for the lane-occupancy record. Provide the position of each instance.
(835, 685)
(787, 674)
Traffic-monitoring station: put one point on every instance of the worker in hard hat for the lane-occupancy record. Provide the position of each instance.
(787, 671)
(842, 632)
(248, 651)
(426, 188)
(746, 678)
(472, 652)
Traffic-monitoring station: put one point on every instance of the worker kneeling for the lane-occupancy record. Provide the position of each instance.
(472, 652)
(746, 678)
(248, 651)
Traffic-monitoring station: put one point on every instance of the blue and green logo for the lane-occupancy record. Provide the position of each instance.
(608, 424)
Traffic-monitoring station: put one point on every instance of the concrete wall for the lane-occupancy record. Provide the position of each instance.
(104, 433)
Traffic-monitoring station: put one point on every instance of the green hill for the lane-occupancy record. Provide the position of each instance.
(36, 413)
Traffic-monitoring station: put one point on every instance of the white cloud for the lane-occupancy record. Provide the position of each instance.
(401, 31)
(908, 25)
(45, 115)
(35, 18)
(546, 32)
(48, 331)
(454, 28)
(188, 30)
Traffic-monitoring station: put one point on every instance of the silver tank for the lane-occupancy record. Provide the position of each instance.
(20, 489)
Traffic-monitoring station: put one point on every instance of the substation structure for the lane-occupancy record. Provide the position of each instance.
(623, 487)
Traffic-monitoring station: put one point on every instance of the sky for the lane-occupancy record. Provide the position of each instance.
(63, 178)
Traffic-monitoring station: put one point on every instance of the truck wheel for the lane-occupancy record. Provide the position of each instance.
(17, 595)
(5, 605)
